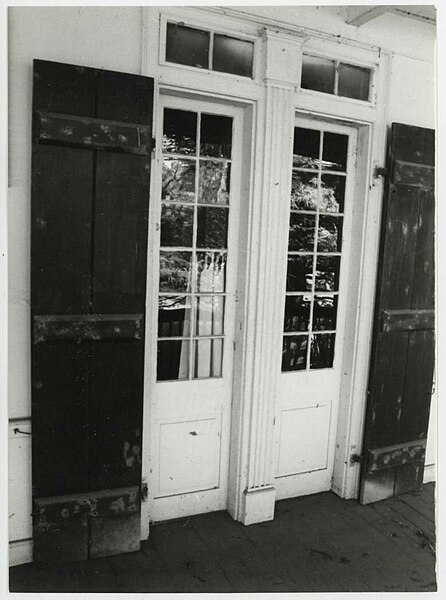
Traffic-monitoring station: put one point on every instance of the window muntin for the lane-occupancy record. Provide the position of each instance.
(205, 49)
(335, 77)
(314, 249)
(195, 198)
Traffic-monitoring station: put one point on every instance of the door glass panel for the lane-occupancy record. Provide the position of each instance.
(180, 131)
(211, 271)
(300, 273)
(212, 227)
(193, 244)
(177, 223)
(174, 316)
(302, 228)
(329, 234)
(332, 193)
(173, 359)
(294, 353)
(304, 190)
(213, 183)
(216, 136)
(314, 249)
(175, 271)
(210, 311)
(322, 351)
(178, 180)
(297, 313)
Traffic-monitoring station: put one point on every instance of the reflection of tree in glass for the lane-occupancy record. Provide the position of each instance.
(322, 351)
(176, 225)
(328, 201)
(174, 271)
(181, 144)
(178, 180)
(305, 161)
(303, 193)
(214, 182)
(301, 232)
(325, 280)
(329, 235)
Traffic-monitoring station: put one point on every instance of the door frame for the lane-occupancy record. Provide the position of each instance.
(371, 122)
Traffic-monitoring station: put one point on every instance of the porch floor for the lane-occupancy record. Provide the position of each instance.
(316, 543)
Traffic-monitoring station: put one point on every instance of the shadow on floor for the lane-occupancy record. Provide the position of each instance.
(316, 543)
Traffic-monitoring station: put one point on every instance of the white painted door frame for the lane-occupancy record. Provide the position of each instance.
(270, 105)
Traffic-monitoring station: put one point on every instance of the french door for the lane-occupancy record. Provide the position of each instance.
(321, 206)
(199, 175)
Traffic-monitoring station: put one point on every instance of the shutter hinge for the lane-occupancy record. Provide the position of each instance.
(356, 458)
(379, 172)
(144, 491)
(153, 146)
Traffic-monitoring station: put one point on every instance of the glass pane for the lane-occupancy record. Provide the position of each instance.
(175, 271)
(327, 273)
(212, 227)
(232, 55)
(354, 82)
(322, 350)
(208, 358)
(318, 74)
(214, 181)
(329, 235)
(211, 271)
(332, 193)
(187, 46)
(334, 152)
(173, 360)
(216, 136)
(174, 314)
(178, 180)
(303, 190)
(180, 131)
(300, 273)
(302, 229)
(306, 147)
(324, 312)
(177, 223)
(210, 314)
(297, 313)
(294, 352)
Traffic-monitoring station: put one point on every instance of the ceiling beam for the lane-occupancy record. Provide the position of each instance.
(358, 15)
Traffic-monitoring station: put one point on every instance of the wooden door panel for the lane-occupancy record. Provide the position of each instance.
(403, 350)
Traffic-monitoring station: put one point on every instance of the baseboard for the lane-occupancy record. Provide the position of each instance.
(20, 552)
(430, 473)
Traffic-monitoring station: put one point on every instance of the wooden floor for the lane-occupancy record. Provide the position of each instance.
(317, 543)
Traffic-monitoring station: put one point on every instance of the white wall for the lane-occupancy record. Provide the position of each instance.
(112, 38)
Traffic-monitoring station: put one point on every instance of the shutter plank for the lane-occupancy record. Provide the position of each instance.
(61, 230)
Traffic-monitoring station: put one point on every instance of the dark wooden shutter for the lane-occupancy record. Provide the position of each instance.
(402, 364)
(90, 200)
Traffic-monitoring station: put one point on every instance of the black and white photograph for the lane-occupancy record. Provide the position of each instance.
(220, 263)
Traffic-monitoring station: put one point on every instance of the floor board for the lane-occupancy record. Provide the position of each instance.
(317, 543)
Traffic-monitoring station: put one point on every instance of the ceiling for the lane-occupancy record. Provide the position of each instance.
(359, 15)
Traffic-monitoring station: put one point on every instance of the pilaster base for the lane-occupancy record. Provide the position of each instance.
(258, 505)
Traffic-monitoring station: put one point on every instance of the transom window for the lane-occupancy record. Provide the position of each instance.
(196, 178)
(335, 77)
(314, 249)
(205, 49)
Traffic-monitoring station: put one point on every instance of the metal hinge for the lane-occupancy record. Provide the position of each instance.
(379, 172)
(153, 147)
(356, 458)
(144, 491)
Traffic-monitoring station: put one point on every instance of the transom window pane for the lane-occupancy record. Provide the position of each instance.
(195, 200)
(314, 249)
(335, 77)
(194, 47)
